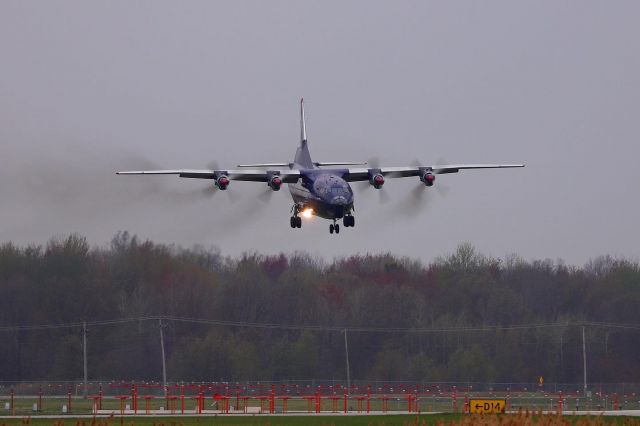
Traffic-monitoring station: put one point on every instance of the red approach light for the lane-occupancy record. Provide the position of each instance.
(222, 182)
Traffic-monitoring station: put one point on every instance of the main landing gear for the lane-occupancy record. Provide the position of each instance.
(296, 221)
(334, 227)
(349, 221)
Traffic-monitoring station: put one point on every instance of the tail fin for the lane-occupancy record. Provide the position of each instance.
(303, 125)
(303, 157)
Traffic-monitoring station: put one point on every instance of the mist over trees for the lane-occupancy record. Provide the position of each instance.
(468, 307)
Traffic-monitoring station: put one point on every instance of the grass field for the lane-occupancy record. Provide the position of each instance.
(401, 420)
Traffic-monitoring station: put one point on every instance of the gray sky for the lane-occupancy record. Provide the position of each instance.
(87, 88)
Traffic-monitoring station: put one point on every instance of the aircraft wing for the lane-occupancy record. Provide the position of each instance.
(362, 174)
(287, 176)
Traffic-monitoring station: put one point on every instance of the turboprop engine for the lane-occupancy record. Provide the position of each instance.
(375, 178)
(275, 182)
(428, 178)
(222, 182)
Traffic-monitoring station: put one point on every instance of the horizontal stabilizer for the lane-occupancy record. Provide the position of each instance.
(341, 163)
(266, 165)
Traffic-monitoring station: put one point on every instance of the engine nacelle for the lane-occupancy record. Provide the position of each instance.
(222, 182)
(377, 181)
(428, 178)
(275, 182)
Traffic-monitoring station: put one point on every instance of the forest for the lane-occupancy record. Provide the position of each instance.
(463, 316)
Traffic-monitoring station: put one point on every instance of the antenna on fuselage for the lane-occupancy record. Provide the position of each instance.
(303, 125)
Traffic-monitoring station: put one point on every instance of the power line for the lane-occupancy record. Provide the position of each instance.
(329, 328)
(73, 324)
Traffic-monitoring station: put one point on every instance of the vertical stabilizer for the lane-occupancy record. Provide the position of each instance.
(303, 124)
(303, 157)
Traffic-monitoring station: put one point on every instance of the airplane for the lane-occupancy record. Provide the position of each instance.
(318, 188)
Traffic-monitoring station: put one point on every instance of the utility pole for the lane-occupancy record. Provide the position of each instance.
(584, 362)
(562, 352)
(164, 363)
(84, 357)
(346, 354)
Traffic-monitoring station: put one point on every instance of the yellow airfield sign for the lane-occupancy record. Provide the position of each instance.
(487, 406)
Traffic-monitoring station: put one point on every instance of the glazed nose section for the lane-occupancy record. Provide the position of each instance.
(339, 200)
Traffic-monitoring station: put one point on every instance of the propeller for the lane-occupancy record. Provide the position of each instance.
(421, 196)
(441, 188)
(210, 190)
(365, 187)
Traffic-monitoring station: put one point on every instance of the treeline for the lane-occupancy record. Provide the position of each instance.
(452, 298)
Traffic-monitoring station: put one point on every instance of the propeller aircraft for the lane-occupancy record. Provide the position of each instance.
(319, 188)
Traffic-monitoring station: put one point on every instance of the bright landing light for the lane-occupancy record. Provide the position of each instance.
(307, 213)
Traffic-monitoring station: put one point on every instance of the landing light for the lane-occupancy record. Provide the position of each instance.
(307, 213)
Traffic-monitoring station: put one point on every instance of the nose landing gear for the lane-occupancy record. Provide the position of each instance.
(348, 221)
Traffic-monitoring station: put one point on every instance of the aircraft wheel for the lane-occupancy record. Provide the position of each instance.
(299, 222)
(337, 227)
(331, 227)
(293, 221)
(352, 221)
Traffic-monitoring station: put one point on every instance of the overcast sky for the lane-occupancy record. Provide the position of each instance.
(88, 88)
